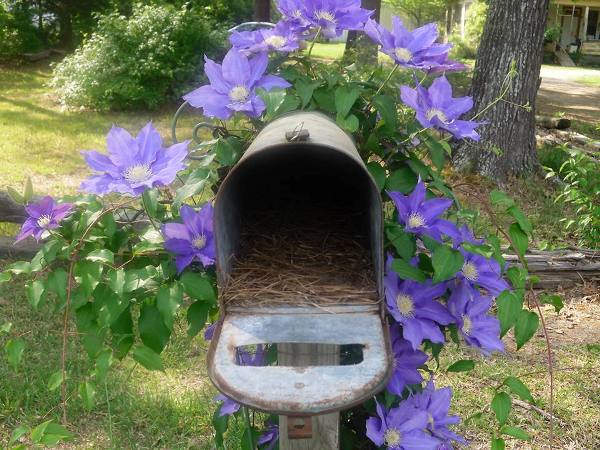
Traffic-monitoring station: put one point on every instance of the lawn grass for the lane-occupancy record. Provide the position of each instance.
(590, 80)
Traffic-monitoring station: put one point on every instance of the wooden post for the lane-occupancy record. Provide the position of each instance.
(325, 428)
(463, 14)
(583, 32)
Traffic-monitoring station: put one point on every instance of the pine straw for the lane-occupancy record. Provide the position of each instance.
(301, 265)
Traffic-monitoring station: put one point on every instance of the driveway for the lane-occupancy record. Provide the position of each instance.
(562, 91)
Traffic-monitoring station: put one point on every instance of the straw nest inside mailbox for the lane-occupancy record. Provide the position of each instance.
(297, 228)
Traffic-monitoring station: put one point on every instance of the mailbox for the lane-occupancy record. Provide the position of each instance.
(298, 225)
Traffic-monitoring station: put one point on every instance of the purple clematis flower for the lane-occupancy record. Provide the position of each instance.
(294, 14)
(443, 64)
(414, 49)
(413, 305)
(436, 108)
(43, 216)
(464, 234)
(401, 428)
(258, 358)
(282, 38)
(192, 239)
(332, 17)
(233, 86)
(133, 165)
(436, 403)
(477, 270)
(477, 327)
(209, 331)
(420, 216)
(270, 437)
(406, 362)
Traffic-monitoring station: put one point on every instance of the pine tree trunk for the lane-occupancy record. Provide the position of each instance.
(513, 32)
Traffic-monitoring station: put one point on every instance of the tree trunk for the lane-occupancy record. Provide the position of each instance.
(65, 34)
(513, 34)
(262, 10)
(359, 47)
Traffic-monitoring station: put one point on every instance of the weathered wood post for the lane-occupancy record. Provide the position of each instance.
(298, 225)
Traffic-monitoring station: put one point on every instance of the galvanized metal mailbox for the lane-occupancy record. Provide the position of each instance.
(298, 223)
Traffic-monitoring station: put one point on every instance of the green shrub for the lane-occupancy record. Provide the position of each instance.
(466, 47)
(581, 174)
(553, 157)
(17, 33)
(138, 61)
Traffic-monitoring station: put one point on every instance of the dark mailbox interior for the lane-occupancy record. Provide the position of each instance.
(301, 222)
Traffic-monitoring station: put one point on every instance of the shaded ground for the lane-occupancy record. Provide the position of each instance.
(564, 89)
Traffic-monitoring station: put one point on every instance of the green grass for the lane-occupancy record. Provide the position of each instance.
(590, 80)
(40, 140)
(329, 51)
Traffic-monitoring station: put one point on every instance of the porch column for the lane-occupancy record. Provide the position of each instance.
(583, 33)
(463, 14)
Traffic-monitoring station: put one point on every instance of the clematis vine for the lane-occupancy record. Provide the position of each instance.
(43, 216)
(436, 403)
(470, 310)
(233, 86)
(477, 270)
(192, 239)
(293, 14)
(269, 437)
(282, 38)
(436, 108)
(330, 17)
(406, 362)
(133, 164)
(421, 216)
(414, 306)
(413, 49)
(401, 428)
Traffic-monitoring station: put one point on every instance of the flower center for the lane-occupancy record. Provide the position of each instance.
(470, 271)
(239, 94)
(325, 15)
(416, 220)
(275, 41)
(297, 14)
(436, 112)
(405, 304)
(467, 324)
(138, 173)
(403, 54)
(392, 437)
(199, 242)
(430, 420)
(44, 221)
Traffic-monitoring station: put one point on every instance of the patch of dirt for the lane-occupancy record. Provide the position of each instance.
(579, 321)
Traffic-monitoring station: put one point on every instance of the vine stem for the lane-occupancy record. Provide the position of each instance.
(386, 80)
(65, 333)
(523, 261)
(312, 44)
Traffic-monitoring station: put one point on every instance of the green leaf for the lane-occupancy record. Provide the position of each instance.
(519, 238)
(481, 249)
(378, 173)
(446, 263)
(220, 424)
(521, 219)
(325, 98)
(14, 349)
(38, 432)
(147, 358)
(518, 388)
(28, 190)
(345, 96)
(401, 180)
(509, 308)
(19, 267)
(526, 326)
(305, 90)
(168, 299)
(87, 274)
(57, 283)
(249, 438)
(198, 287)
(5, 327)
(228, 151)
(349, 123)
(53, 433)
(45, 255)
(436, 152)
(386, 107)
(196, 317)
(407, 271)
(554, 300)
(198, 179)
(35, 293)
(515, 432)
(404, 243)
(498, 444)
(273, 100)
(153, 331)
(103, 362)
(17, 434)
(87, 393)
(464, 365)
(150, 201)
(55, 380)
(499, 198)
(102, 255)
(5, 277)
(290, 103)
(122, 333)
(501, 405)
(15, 196)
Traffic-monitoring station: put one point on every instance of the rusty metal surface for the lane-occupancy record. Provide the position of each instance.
(300, 390)
(299, 427)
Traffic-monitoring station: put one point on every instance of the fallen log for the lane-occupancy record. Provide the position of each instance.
(553, 122)
(10, 211)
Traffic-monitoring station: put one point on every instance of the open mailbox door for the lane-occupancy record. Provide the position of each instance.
(298, 225)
